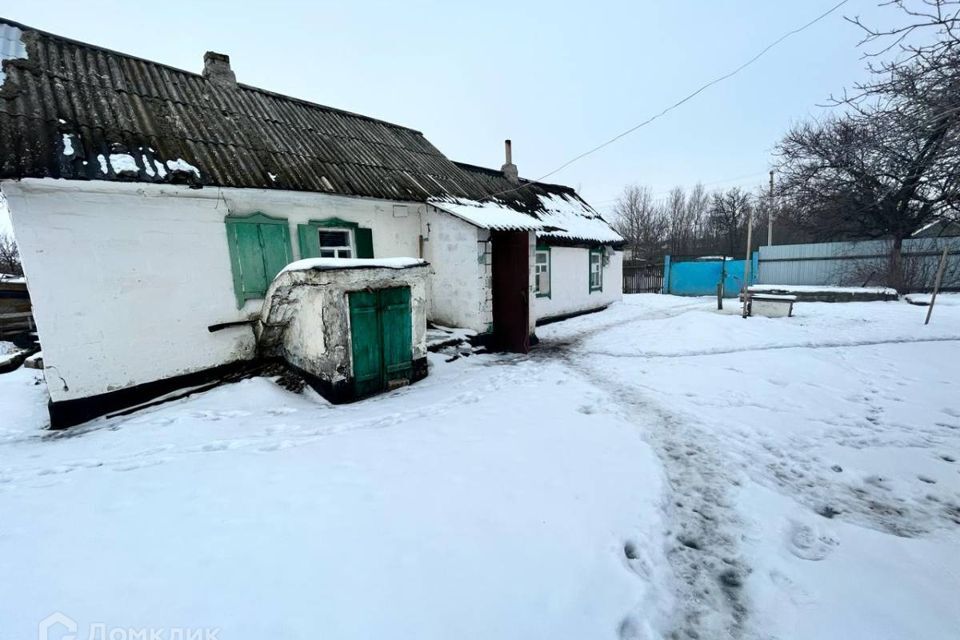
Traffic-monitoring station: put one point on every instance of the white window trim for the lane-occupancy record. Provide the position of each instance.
(599, 287)
(536, 279)
(351, 241)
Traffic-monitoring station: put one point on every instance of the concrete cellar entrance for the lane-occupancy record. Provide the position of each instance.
(380, 335)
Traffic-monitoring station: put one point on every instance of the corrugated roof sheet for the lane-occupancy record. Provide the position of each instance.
(67, 106)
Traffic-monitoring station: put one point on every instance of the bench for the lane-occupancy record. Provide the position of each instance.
(770, 305)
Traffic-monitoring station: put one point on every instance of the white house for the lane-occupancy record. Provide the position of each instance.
(153, 208)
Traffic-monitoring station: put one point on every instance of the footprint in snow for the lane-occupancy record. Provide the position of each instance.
(796, 593)
(282, 411)
(277, 446)
(807, 543)
(220, 445)
(139, 464)
(90, 463)
(219, 415)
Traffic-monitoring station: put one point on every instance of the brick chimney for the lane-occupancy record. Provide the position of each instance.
(216, 68)
(509, 169)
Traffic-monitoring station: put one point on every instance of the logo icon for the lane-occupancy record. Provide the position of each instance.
(44, 630)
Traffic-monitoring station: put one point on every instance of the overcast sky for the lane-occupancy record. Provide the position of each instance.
(556, 78)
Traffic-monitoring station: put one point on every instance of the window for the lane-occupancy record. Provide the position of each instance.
(334, 238)
(335, 243)
(541, 282)
(259, 249)
(596, 269)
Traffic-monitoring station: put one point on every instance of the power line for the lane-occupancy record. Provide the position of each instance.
(680, 102)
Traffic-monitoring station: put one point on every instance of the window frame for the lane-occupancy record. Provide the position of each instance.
(542, 248)
(351, 245)
(361, 238)
(594, 251)
(258, 219)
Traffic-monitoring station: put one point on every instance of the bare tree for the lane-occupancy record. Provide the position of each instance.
(641, 222)
(728, 217)
(678, 221)
(9, 256)
(889, 163)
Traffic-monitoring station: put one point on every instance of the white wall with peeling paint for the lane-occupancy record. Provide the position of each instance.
(458, 260)
(126, 278)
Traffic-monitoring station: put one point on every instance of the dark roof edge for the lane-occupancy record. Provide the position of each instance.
(23, 27)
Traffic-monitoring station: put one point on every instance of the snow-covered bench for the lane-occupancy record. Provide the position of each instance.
(770, 305)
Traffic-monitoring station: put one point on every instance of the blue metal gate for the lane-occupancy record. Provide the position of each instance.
(700, 276)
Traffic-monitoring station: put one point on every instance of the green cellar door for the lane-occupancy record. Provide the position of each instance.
(381, 335)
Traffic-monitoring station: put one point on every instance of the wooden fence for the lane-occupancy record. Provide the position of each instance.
(642, 278)
(16, 315)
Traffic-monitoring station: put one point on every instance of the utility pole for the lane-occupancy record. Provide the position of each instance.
(770, 214)
(936, 284)
(746, 263)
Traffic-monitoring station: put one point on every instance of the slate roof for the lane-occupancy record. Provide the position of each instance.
(79, 112)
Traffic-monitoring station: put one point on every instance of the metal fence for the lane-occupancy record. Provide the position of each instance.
(862, 263)
(703, 275)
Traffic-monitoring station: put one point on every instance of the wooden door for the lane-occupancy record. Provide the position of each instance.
(396, 335)
(365, 339)
(381, 338)
(511, 290)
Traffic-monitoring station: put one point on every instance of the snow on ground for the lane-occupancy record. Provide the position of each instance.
(812, 461)
(657, 470)
(492, 500)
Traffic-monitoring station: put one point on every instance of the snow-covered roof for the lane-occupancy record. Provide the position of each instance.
(326, 264)
(558, 217)
(488, 215)
(569, 218)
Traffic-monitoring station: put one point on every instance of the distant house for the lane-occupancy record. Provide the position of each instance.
(938, 229)
(153, 208)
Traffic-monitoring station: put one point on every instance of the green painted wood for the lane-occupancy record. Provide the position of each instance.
(338, 223)
(275, 243)
(253, 276)
(598, 253)
(364, 240)
(397, 331)
(259, 248)
(365, 337)
(258, 217)
(308, 240)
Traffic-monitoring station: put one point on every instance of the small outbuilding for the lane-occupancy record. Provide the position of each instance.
(352, 327)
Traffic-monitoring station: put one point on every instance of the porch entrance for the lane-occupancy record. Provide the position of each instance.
(511, 290)
(381, 339)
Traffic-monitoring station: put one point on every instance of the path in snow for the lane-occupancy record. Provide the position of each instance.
(703, 549)
(717, 422)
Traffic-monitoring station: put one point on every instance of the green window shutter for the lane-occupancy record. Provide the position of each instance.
(259, 249)
(309, 241)
(364, 239)
(249, 267)
(275, 240)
